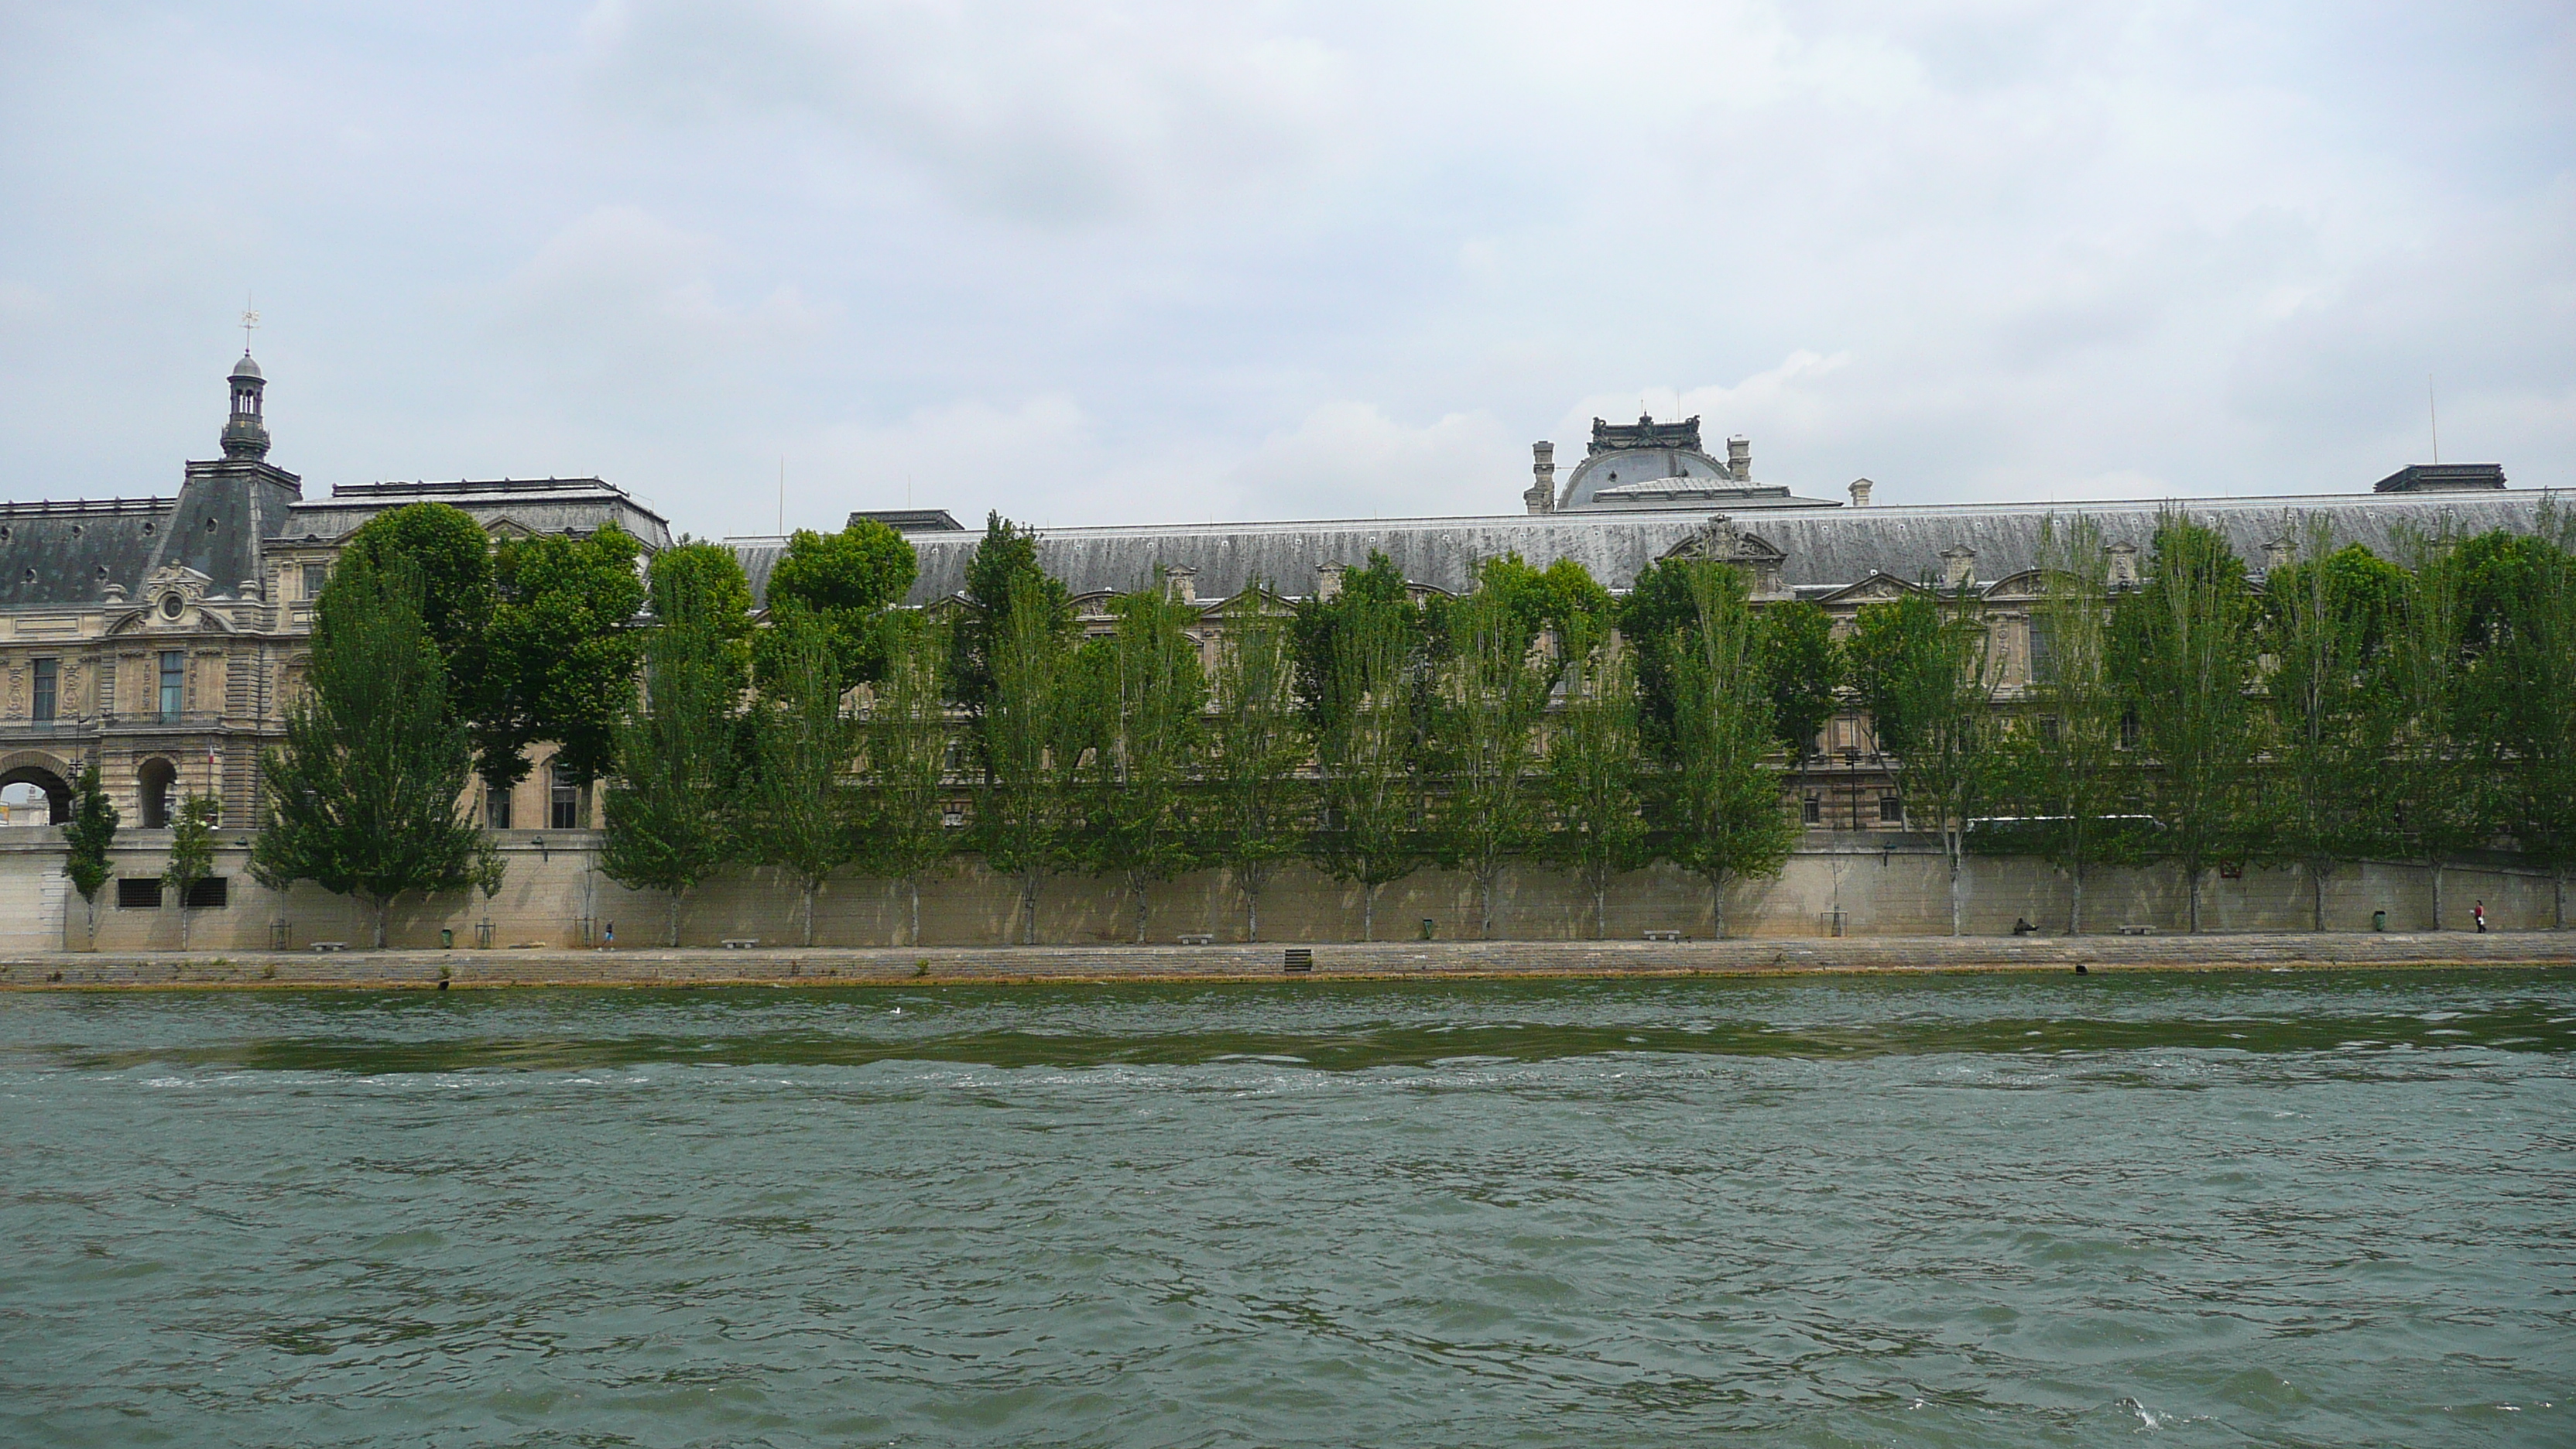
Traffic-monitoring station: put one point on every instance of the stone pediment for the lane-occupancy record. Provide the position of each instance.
(507, 527)
(1721, 540)
(2027, 584)
(1877, 588)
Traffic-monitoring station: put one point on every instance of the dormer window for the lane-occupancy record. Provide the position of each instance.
(171, 604)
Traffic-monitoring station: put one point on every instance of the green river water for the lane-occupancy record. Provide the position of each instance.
(2180, 1209)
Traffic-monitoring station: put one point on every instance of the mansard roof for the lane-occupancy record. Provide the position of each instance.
(56, 555)
(536, 505)
(1822, 549)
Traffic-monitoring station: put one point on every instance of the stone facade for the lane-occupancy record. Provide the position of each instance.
(163, 637)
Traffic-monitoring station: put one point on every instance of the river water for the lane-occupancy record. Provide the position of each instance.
(2003, 1210)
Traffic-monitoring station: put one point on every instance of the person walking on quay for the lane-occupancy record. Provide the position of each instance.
(2478, 913)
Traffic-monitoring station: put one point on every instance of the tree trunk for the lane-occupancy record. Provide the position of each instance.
(2317, 895)
(675, 920)
(92, 903)
(184, 922)
(2192, 870)
(1717, 904)
(2557, 908)
(1251, 908)
(1136, 889)
(914, 883)
(382, 902)
(1953, 843)
(1600, 909)
(2437, 895)
(1368, 911)
(810, 887)
(1029, 885)
(2075, 903)
(1485, 907)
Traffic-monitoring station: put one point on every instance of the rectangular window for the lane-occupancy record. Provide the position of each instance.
(138, 893)
(1891, 810)
(174, 684)
(2043, 652)
(496, 809)
(48, 686)
(2048, 730)
(564, 803)
(214, 893)
(315, 575)
(1813, 812)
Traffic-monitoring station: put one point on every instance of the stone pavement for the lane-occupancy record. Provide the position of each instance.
(782, 966)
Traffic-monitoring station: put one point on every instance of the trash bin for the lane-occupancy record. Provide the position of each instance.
(446, 938)
(2379, 920)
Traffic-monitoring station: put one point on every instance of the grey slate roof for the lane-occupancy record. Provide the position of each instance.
(540, 505)
(56, 555)
(1825, 547)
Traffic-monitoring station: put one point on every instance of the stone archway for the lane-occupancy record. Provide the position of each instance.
(155, 781)
(45, 773)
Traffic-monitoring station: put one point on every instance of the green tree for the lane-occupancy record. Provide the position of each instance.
(1151, 744)
(1003, 567)
(1366, 713)
(797, 806)
(1803, 668)
(1593, 772)
(2324, 628)
(562, 652)
(1258, 800)
(451, 556)
(90, 834)
(2182, 651)
(671, 803)
(712, 572)
(905, 767)
(192, 853)
(362, 795)
(1034, 734)
(1491, 694)
(1920, 665)
(2529, 685)
(1657, 611)
(2061, 764)
(847, 581)
(2433, 784)
(1721, 811)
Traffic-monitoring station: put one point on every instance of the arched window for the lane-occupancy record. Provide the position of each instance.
(153, 786)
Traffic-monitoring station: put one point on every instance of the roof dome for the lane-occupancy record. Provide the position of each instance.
(246, 367)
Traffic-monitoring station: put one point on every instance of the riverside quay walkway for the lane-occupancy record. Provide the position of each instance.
(1384, 960)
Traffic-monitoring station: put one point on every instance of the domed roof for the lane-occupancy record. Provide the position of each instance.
(246, 367)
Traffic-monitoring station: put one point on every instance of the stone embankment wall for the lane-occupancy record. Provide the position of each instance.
(1853, 885)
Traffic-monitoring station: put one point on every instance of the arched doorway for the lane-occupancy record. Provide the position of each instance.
(45, 774)
(154, 784)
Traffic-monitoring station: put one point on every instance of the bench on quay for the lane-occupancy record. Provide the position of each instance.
(2137, 930)
(740, 943)
(330, 945)
(1199, 938)
(1663, 935)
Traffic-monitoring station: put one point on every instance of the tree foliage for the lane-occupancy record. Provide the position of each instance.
(1492, 691)
(1920, 665)
(797, 808)
(1362, 650)
(562, 652)
(1257, 801)
(192, 853)
(1034, 731)
(905, 757)
(90, 835)
(846, 582)
(1719, 808)
(671, 804)
(1150, 744)
(1594, 773)
(362, 793)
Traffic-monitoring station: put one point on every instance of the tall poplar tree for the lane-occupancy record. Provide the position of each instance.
(1490, 696)
(1366, 751)
(2062, 761)
(362, 795)
(1594, 770)
(2182, 649)
(670, 806)
(797, 802)
(1921, 666)
(192, 854)
(1151, 743)
(1033, 738)
(1722, 816)
(2324, 631)
(2431, 780)
(90, 834)
(1257, 802)
(905, 766)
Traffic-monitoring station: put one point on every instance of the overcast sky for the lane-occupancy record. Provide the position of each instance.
(1182, 261)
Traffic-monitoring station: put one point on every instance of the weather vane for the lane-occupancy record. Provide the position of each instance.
(250, 319)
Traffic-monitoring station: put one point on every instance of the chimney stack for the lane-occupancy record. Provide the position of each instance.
(1958, 567)
(1860, 492)
(1181, 583)
(1328, 582)
(1541, 496)
(1739, 459)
